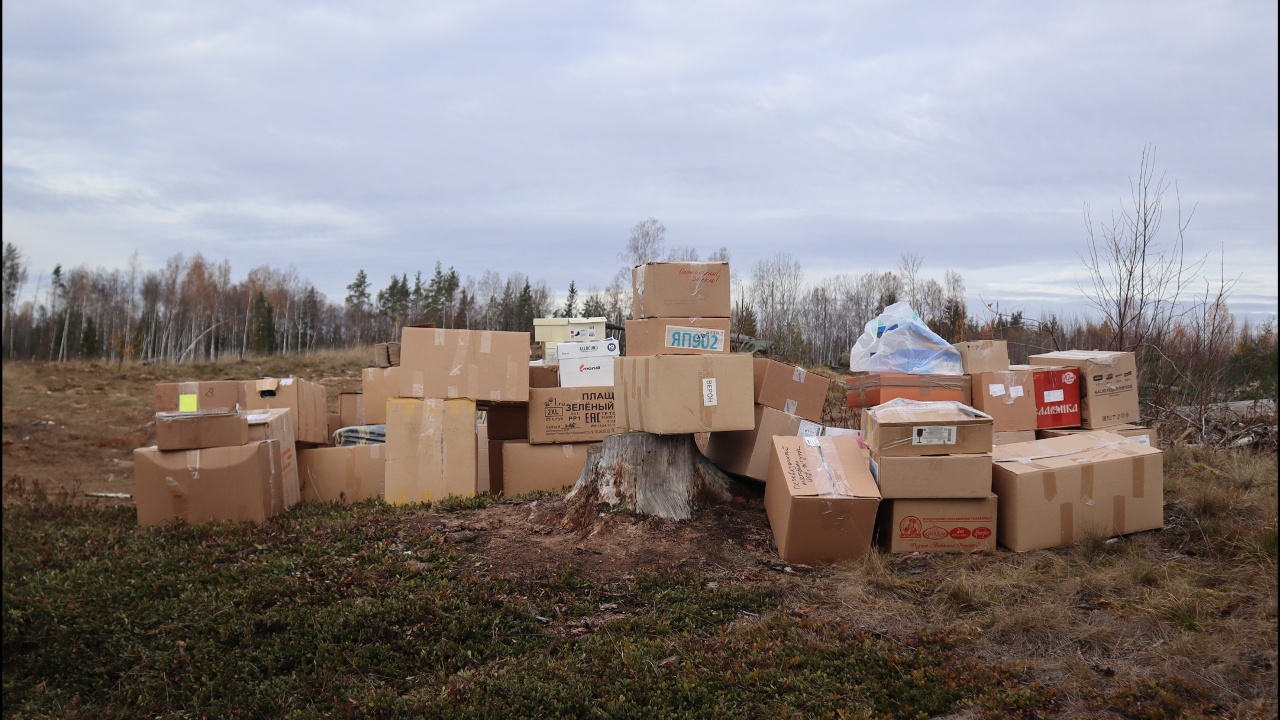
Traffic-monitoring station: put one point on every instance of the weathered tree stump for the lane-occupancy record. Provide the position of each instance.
(662, 475)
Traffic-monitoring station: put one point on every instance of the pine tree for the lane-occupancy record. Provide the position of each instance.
(264, 325)
(571, 302)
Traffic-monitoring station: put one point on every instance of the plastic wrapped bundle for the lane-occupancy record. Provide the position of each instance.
(360, 435)
(898, 341)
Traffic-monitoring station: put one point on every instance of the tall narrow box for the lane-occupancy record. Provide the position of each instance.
(431, 450)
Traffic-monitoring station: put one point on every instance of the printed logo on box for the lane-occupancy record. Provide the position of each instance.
(981, 533)
(694, 338)
(1069, 378)
(933, 532)
(909, 527)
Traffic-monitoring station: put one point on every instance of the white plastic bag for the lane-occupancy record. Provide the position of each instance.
(898, 341)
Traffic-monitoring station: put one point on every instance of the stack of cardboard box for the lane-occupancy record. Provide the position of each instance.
(932, 463)
(1005, 393)
(433, 429)
(678, 375)
(214, 459)
(788, 401)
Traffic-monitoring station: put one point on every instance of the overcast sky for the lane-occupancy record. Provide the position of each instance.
(531, 136)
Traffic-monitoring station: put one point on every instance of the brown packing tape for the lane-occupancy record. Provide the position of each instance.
(1050, 485)
(1086, 484)
(486, 342)
(419, 384)
(457, 366)
(349, 481)
(832, 518)
(824, 464)
(1117, 514)
(1066, 524)
(1139, 470)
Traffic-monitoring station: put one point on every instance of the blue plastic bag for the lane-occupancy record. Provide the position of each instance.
(898, 341)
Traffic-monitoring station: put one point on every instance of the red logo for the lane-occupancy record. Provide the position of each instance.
(935, 533)
(960, 533)
(1068, 378)
(909, 527)
(981, 533)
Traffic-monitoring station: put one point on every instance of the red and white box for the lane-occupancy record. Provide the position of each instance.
(1057, 391)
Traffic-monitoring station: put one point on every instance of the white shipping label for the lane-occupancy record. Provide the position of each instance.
(789, 407)
(1015, 391)
(695, 338)
(995, 390)
(812, 441)
(933, 435)
(1140, 439)
(1051, 396)
(799, 375)
(709, 392)
(809, 429)
(286, 382)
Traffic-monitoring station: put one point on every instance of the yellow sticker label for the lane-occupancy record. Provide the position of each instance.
(188, 403)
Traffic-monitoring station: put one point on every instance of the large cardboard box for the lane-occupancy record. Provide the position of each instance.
(346, 474)
(587, 364)
(574, 414)
(278, 425)
(938, 525)
(906, 428)
(672, 394)
(872, 390)
(1108, 384)
(1141, 434)
(217, 396)
(378, 385)
(351, 409)
(335, 424)
(933, 476)
(678, 336)
(790, 389)
(680, 289)
(979, 356)
(307, 400)
(1057, 395)
(747, 452)
(558, 330)
(530, 468)
(431, 449)
(237, 483)
(820, 499)
(191, 431)
(481, 365)
(1054, 492)
(1008, 396)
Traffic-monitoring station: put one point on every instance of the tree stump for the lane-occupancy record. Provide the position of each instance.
(662, 475)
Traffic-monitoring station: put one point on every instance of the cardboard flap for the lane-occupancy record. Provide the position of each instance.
(1069, 451)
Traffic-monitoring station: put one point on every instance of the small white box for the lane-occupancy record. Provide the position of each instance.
(577, 350)
(587, 364)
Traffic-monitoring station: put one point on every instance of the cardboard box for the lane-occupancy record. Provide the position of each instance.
(587, 364)
(342, 474)
(544, 376)
(381, 358)
(1054, 492)
(820, 499)
(278, 425)
(1012, 436)
(351, 409)
(335, 424)
(1057, 395)
(943, 525)
(747, 452)
(191, 431)
(789, 388)
(557, 330)
(1142, 434)
(671, 394)
(1108, 384)
(573, 414)
(680, 289)
(530, 468)
(549, 355)
(475, 364)
(905, 428)
(430, 450)
(978, 356)
(307, 400)
(872, 390)
(1008, 396)
(236, 483)
(678, 336)
(393, 353)
(218, 396)
(933, 476)
(378, 385)
(507, 421)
